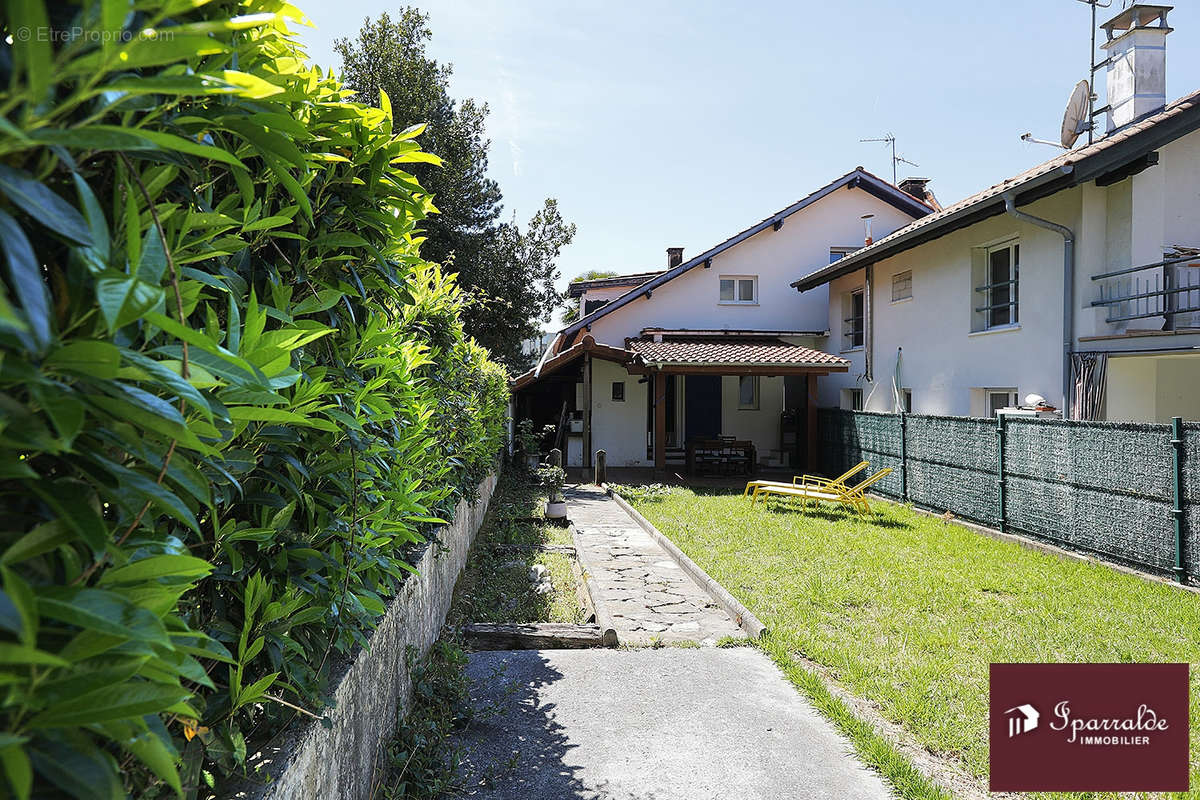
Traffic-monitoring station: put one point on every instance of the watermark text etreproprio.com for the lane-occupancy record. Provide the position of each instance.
(79, 33)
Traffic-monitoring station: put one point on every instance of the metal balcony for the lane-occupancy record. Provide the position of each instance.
(1169, 288)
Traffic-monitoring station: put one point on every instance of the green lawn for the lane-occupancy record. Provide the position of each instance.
(909, 610)
(494, 585)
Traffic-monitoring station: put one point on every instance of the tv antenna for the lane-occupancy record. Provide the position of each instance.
(1080, 113)
(891, 140)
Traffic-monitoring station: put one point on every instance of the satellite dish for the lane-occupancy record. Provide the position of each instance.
(1075, 118)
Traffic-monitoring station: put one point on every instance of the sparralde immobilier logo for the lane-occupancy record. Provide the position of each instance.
(1089, 727)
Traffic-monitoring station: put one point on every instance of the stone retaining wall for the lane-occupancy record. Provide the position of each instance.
(337, 763)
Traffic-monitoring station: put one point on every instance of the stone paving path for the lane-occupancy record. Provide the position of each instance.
(647, 593)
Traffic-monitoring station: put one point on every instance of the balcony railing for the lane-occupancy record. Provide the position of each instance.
(1169, 288)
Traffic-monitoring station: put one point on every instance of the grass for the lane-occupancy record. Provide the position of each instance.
(908, 611)
(494, 585)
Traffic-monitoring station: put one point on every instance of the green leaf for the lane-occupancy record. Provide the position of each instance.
(124, 299)
(130, 699)
(77, 767)
(153, 262)
(111, 137)
(97, 256)
(193, 85)
(31, 52)
(20, 654)
(96, 358)
(17, 768)
(101, 611)
(170, 379)
(44, 205)
(154, 567)
(70, 501)
(64, 408)
(21, 596)
(255, 690)
(26, 278)
(152, 751)
(42, 539)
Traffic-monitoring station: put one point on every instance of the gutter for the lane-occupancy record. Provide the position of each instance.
(1068, 288)
(919, 231)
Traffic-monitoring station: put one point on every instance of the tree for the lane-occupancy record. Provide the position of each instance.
(572, 313)
(509, 274)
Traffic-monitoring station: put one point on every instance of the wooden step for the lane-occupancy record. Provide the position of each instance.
(535, 636)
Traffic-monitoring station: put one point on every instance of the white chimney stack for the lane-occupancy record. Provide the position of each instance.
(1137, 63)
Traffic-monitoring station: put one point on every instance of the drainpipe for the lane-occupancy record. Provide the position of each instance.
(1010, 206)
(869, 324)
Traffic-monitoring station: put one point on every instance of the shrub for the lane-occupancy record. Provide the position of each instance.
(232, 396)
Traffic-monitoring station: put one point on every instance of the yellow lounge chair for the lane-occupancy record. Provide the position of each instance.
(855, 496)
(810, 480)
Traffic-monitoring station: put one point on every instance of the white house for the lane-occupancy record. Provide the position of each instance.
(717, 345)
(1078, 280)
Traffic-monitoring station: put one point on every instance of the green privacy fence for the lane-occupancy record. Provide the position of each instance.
(1125, 492)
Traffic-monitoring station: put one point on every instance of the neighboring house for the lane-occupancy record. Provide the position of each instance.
(1078, 280)
(594, 294)
(715, 345)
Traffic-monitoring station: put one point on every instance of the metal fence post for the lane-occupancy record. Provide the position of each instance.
(1177, 509)
(904, 456)
(1000, 425)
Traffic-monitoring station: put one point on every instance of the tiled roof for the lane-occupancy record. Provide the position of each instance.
(856, 178)
(576, 288)
(723, 352)
(1061, 164)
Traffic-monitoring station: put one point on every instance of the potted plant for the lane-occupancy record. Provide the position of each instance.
(527, 443)
(553, 477)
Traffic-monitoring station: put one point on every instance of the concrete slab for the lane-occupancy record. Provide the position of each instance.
(667, 724)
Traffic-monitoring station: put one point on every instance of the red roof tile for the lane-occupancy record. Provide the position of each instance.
(730, 351)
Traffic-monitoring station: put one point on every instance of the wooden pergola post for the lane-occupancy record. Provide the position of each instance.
(587, 410)
(813, 465)
(660, 420)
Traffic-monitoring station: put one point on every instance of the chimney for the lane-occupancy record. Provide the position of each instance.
(674, 257)
(919, 188)
(1137, 63)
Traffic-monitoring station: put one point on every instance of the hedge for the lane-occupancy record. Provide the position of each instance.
(232, 395)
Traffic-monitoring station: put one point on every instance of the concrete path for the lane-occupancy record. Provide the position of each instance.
(649, 596)
(663, 724)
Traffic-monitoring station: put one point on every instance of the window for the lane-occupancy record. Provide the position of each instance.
(852, 399)
(593, 305)
(996, 297)
(852, 320)
(907, 397)
(748, 393)
(838, 253)
(1000, 398)
(618, 391)
(902, 286)
(739, 289)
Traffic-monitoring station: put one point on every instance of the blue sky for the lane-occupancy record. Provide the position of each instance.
(659, 124)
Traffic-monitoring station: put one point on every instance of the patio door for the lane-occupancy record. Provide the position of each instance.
(702, 406)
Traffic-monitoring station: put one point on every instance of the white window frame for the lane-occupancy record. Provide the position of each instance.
(899, 279)
(737, 290)
(848, 332)
(754, 404)
(852, 399)
(982, 288)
